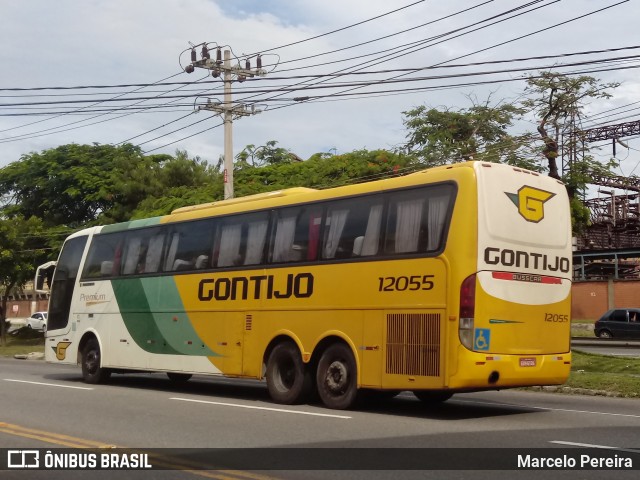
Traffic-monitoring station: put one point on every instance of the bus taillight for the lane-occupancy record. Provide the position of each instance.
(467, 310)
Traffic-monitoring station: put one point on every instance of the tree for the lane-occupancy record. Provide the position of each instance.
(74, 185)
(79, 185)
(440, 137)
(180, 181)
(558, 102)
(21, 249)
(322, 171)
(268, 154)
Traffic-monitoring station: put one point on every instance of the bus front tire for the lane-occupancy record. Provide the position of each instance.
(287, 379)
(92, 372)
(337, 377)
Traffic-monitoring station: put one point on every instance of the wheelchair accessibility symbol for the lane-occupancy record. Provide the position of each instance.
(482, 339)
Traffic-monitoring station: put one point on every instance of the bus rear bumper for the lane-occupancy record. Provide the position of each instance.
(497, 371)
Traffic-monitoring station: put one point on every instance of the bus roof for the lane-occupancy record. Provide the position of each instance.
(249, 198)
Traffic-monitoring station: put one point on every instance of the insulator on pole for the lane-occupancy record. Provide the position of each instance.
(205, 52)
(219, 56)
(194, 56)
(247, 64)
(259, 62)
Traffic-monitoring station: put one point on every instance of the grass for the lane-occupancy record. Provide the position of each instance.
(21, 342)
(605, 375)
(582, 328)
(590, 373)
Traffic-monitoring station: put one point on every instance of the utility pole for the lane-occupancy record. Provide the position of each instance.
(226, 109)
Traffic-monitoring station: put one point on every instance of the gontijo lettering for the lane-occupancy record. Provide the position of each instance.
(522, 259)
(255, 287)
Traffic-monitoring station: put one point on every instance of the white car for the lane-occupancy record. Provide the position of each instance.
(38, 321)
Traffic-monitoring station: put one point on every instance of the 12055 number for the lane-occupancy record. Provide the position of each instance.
(400, 284)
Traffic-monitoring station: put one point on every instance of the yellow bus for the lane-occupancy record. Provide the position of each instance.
(452, 279)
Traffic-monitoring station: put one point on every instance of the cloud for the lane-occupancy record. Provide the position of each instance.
(71, 43)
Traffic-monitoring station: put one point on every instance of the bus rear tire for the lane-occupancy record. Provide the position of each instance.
(337, 377)
(287, 378)
(179, 377)
(92, 372)
(432, 396)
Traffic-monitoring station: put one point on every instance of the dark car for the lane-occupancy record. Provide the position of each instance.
(619, 323)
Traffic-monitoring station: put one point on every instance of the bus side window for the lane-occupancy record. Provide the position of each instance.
(352, 228)
(403, 226)
(103, 259)
(171, 253)
(285, 231)
(190, 246)
(154, 253)
(417, 219)
(297, 234)
(134, 246)
(256, 237)
(229, 246)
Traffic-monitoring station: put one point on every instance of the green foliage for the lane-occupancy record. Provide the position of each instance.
(21, 248)
(605, 374)
(321, 171)
(179, 182)
(439, 137)
(73, 184)
(558, 101)
(268, 154)
(79, 185)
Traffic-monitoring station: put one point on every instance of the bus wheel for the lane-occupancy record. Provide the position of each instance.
(432, 396)
(287, 379)
(92, 372)
(337, 377)
(179, 377)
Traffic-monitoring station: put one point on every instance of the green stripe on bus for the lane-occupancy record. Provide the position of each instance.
(137, 316)
(154, 316)
(174, 324)
(119, 227)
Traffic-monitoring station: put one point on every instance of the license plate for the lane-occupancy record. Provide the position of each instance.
(527, 362)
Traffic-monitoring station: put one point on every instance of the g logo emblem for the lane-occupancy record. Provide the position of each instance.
(530, 202)
(61, 350)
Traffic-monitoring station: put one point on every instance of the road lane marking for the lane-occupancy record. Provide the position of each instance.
(170, 462)
(270, 409)
(498, 404)
(47, 384)
(590, 445)
(50, 437)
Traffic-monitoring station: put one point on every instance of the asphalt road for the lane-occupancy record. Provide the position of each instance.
(48, 406)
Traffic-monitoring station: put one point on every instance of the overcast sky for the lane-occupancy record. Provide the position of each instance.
(74, 43)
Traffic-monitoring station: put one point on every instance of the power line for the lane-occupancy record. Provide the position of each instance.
(339, 29)
(357, 83)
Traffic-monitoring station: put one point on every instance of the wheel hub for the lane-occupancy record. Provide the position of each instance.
(336, 376)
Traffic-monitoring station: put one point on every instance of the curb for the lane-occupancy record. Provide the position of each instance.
(30, 356)
(599, 342)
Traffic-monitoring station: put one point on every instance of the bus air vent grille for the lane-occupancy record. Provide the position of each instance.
(413, 344)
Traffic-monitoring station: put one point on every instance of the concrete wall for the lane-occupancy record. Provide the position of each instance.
(25, 307)
(590, 300)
